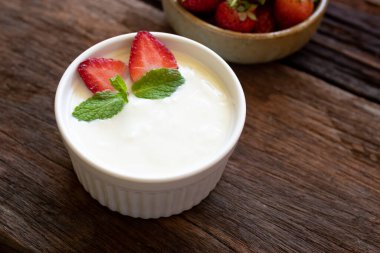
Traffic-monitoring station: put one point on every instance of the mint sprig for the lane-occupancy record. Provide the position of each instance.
(158, 83)
(102, 105)
(105, 104)
(118, 83)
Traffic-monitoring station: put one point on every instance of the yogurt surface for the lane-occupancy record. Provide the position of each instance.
(158, 138)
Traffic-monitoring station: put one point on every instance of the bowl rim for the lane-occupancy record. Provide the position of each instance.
(251, 36)
(201, 168)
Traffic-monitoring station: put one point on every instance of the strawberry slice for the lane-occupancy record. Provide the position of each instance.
(149, 53)
(96, 72)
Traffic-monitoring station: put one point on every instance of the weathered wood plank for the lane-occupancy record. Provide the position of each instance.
(298, 164)
(367, 6)
(304, 176)
(345, 52)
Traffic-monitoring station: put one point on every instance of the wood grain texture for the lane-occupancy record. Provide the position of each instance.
(345, 52)
(304, 177)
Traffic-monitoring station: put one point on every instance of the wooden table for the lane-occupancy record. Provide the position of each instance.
(305, 176)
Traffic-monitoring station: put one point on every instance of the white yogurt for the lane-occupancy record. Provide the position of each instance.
(158, 138)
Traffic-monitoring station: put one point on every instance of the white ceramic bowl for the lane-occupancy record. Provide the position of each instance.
(150, 198)
(243, 47)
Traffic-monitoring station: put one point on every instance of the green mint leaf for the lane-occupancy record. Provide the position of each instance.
(118, 83)
(158, 83)
(102, 105)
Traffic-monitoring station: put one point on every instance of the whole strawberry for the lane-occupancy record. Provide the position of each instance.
(199, 6)
(292, 12)
(236, 15)
(265, 20)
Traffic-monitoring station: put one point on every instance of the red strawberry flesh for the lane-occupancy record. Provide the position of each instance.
(292, 12)
(148, 53)
(265, 20)
(199, 6)
(96, 72)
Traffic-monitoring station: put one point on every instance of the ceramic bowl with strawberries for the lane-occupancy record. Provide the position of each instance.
(247, 31)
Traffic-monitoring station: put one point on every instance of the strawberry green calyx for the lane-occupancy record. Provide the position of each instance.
(251, 12)
(232, 3)
(261, 2)
(240, 17)
(244, 8)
